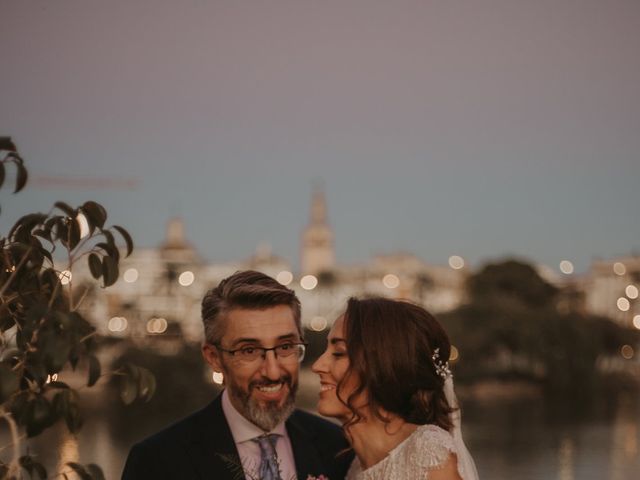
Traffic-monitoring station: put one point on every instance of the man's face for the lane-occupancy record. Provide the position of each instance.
(263, 390)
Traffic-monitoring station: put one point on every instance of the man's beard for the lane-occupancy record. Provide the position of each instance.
(264, 416)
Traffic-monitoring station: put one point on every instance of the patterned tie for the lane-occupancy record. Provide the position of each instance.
(268, 457)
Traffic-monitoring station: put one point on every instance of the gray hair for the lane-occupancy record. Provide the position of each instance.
(247, 290)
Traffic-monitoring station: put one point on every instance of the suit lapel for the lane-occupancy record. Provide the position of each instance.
(306, 456)
(212, 449)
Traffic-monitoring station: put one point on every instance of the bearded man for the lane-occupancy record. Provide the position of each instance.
(252, 430)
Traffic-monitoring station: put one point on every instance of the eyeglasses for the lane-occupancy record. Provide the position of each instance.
(284, 351)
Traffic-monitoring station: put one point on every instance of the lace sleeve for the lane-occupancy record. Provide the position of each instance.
(431, 448)
(428, 448)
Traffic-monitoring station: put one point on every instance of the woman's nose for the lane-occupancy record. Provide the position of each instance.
(320, 364)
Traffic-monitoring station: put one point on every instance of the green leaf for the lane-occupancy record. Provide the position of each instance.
(44, 233)
(6, 143)
(25, 224)
(127, 238)
(129, 386)
(112, 247)
(74, 233)
(109, 271)
(54, 347)
(61, 230)
(46, 253)
(67, 209)
(95, 266)
(9, 382)
(94, 370)
(21, 177)
(39, 416)
(71, 410)
(40, 470)
(146, 384)
(95, 471)
(30, 465)
(80, 471)
(95, 213)
(60, 403)
(60, 385)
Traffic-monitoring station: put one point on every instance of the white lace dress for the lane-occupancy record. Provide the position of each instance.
(426, 449)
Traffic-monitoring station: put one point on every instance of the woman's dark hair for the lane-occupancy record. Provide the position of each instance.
(390, 344)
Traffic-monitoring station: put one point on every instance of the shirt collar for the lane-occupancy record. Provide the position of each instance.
(242, 429)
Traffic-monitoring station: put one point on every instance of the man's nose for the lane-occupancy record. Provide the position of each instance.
(271, 365)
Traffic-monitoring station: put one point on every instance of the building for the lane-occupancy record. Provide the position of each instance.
(160, 289)
(611, 290)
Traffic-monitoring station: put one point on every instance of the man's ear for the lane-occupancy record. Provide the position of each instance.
(212, 357)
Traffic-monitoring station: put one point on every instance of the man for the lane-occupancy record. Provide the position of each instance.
(252, 430)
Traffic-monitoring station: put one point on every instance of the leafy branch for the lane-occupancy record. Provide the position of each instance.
(42, 331)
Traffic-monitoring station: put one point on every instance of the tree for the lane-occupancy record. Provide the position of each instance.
(42, 331)
(511, 326)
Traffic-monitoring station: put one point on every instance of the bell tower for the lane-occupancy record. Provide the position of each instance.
(317, 238)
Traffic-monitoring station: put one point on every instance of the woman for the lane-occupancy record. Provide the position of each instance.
(384, 376)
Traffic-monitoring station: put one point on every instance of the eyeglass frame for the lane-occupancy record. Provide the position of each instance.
(263, 356)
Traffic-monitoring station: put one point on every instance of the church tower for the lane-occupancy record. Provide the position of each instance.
(317, 238)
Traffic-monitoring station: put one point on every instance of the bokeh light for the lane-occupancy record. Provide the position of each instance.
(308, 282)
(157, 325)
(218, 378)
(391, 281)
(456, 262)
(566, 267)
(623, 304)
(631, 291)
(285, 277)
(318, 324)
(186, 278)
(619, 268)
(455, 354)
(65, 277)
(130, 275)
(636, 321)
(117, 324)
(627, 352)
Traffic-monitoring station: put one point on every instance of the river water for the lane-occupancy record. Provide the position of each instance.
(525, 438)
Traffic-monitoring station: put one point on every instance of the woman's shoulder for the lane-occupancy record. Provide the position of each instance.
(430, 446)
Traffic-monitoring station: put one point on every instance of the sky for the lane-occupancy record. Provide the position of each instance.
(481, 128)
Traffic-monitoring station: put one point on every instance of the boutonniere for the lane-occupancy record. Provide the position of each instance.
(321, 477)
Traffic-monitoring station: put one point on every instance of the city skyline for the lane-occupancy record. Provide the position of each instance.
(483, 129)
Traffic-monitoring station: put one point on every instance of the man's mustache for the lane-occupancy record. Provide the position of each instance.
(285, 379)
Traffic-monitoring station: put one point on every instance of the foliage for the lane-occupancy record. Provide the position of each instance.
(511, 281)
(182, 371)
(511, 328)
(42, 332)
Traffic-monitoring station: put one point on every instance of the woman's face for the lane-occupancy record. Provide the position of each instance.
(332, 367)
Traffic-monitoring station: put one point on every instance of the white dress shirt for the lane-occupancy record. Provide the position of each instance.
(243, 432)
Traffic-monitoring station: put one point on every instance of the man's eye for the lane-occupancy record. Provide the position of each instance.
(247, 350)
(285, 346)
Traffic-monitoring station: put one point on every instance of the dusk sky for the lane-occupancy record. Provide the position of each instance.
(481, 128)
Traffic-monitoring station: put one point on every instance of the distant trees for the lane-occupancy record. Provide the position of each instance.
(42, 332)
(511, 326)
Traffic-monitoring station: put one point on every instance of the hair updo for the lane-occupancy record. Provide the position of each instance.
(390, 344)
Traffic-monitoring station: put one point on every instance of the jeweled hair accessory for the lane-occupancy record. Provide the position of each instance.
(442, 368)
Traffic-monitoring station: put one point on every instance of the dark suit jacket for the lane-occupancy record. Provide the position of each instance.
(201, 447)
